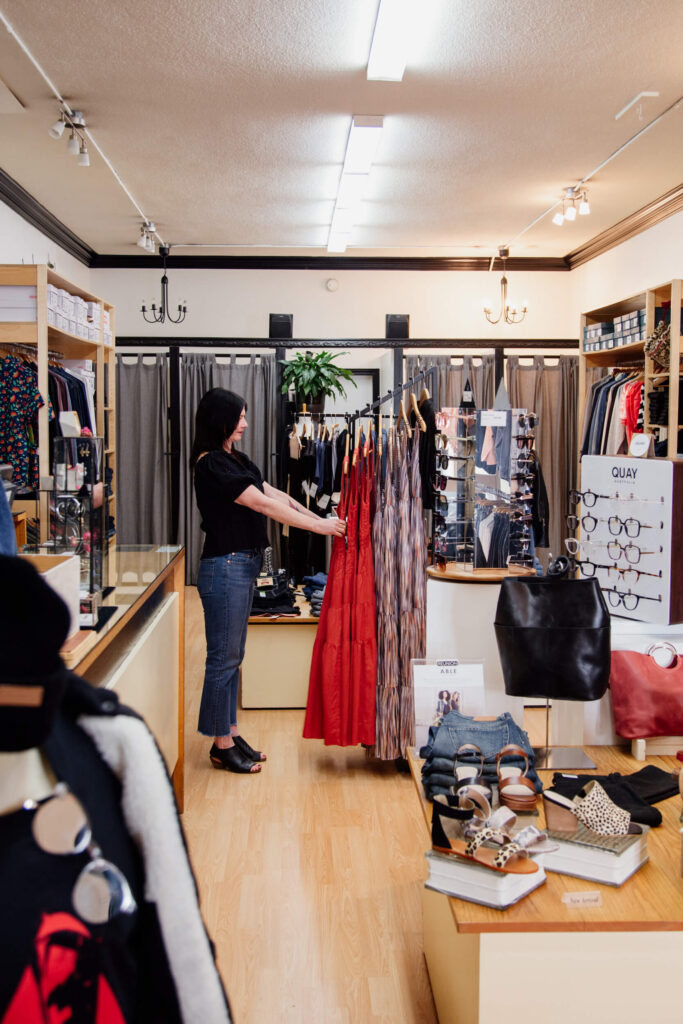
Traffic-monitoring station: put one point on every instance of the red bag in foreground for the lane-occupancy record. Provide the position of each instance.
(647, 699)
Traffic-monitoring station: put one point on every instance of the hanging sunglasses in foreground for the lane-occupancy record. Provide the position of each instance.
(60, 826)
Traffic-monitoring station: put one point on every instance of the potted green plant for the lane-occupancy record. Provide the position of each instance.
(313, 376)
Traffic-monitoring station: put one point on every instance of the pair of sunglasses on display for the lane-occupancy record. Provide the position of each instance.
(60, 826)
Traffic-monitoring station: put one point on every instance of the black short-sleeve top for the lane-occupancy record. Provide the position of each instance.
(219, 478)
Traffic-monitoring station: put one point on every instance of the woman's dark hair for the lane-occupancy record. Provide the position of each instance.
(218, 414)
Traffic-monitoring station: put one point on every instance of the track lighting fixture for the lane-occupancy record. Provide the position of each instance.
(146, 239)
(570, 197)
(160, 314)
(76, 144)
(509, 314)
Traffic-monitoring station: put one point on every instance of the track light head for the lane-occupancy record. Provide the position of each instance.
(83, 156)
(142, 240)
(72, 145)
(58, 127)
(584, 207)
(570, 212)
(558, 219)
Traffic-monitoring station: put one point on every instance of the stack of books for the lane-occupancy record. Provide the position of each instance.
(468, 881)
(607, 859)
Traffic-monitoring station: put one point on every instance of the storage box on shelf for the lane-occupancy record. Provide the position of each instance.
(40, 308)
(615, 335)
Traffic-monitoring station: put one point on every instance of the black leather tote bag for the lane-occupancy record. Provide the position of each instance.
(553, 638)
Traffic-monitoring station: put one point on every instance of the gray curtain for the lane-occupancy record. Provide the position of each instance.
(552, 393)
(143, 513)
(255, 381)
(478, 370)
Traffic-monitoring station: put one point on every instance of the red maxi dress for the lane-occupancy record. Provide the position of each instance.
(361, 719)
(323, 714)
(341, 690)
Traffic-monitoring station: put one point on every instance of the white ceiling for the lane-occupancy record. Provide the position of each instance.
(228, 120)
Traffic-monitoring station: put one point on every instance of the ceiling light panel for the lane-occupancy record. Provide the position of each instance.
(361, 149)
(390, 40)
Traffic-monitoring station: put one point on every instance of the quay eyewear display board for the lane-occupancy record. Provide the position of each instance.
(630, 532)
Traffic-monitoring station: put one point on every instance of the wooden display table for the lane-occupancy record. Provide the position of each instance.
(483, 962)
(139, 652)
(277, 659)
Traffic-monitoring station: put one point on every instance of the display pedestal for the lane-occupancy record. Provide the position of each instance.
(560, 759)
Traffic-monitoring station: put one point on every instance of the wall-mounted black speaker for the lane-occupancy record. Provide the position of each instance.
(281, 325)
(397, 326)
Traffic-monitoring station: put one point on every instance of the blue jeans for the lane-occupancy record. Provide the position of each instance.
(454, 731)
(226, 587)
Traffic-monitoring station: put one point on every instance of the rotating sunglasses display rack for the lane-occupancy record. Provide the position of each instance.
(453, 539)
(483, 488)
(522, 456)
(626, 529)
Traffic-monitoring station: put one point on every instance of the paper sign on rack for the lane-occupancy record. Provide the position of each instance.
(442, 686)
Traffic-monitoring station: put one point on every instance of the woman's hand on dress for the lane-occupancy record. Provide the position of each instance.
(332, 527)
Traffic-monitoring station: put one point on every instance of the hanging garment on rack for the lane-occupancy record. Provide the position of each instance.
(341, 693)
(427, 439)
(20, 401)
(361, 727)
(419, 559)
(614, 412)
(329, 660)
(386, 575)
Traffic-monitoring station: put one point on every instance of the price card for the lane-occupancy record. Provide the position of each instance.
(323, 501)
(582, 899)
(494, 418)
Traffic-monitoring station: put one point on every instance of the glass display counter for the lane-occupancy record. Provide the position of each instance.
(139, 650)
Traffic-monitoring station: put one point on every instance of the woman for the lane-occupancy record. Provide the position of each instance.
(233, 500)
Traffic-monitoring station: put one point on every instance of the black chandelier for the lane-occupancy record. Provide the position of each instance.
(157, 316)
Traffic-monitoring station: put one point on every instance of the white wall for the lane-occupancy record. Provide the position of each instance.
(646, 261)
(441, 304)
(20, 242)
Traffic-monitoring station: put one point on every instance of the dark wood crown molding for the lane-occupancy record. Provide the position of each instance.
(23, 203)
(655, 212)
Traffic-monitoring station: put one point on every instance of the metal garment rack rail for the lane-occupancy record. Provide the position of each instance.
(390, 396)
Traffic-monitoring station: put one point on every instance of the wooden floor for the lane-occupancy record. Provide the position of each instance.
(310, 874)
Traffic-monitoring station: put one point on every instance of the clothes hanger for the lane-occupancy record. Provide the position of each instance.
(418, 415)
(379, 434)
(403, 418)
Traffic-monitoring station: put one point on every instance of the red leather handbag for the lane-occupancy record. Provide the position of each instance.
(647, 698)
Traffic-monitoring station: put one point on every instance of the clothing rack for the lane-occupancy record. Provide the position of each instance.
(373, 407)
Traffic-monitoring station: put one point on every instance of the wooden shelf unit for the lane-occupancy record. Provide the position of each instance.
(624, 355)
(48, 338)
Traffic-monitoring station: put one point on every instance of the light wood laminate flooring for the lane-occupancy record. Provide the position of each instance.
(310, 874)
